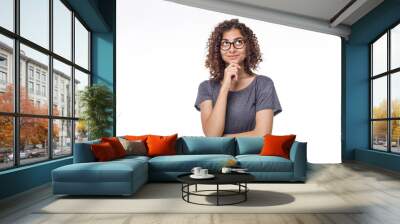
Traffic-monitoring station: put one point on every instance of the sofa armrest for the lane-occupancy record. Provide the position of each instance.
(298, 155)
(83, 152)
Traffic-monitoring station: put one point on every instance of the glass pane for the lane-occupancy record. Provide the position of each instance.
(62, 29)
(81, 81)
(395, 136)
(379, 100)
(395, 47)
(33, 139)
(81, 45)
(7, 14)
(62, 89)
(395, 94)
(379, 135)
(35, 21)
(34, 81)
(62, 137)
(6, 142)
(6, 74)
(81, 131)
(379, 55)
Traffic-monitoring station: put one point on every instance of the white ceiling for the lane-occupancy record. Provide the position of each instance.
(316, 15)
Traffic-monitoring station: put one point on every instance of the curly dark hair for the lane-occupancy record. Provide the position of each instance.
(214, 59)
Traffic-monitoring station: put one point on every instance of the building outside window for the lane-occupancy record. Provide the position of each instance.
(30, 87)
(30, 72)
(34, 75)
(3, 78)
(43, 90)
(38, 89)
(37, 75)
(44, 77)
(385, 95)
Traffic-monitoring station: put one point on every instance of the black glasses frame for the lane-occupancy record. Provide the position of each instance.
(233, 43)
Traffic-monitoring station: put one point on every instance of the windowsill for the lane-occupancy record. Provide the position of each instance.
(381, 159)
(380, 152)
(25, 167)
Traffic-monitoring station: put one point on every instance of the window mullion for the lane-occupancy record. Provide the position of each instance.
(389, 126)
(370, 98)
(16, 84)
(73, 82)
(50, 81)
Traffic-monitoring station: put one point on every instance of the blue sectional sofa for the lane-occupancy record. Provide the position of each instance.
(125, 176)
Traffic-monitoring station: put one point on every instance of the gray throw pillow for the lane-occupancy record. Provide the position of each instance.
(136, 147)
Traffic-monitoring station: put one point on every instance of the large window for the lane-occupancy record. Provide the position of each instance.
(385, 91)
(44, 64)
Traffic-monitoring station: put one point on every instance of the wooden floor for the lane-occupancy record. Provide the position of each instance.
(377, 188)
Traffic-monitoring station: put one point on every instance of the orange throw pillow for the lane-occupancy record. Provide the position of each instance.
(116, 145)
(135, 138)
(103, 151)
(161, 145)
(142, 138)
(275, 145)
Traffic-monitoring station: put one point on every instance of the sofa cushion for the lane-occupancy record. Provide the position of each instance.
(111, 171)
(116, 145)
(195, 145)
(134, 147)
(161, 145)
(103, 151)
(275, 145)
(257, 163)
(132, 158)
(185, 163)
(249, 145)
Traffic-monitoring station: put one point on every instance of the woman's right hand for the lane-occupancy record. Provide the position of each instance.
(231, 75)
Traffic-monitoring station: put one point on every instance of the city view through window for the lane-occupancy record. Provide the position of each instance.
(32, 130)
(385, 86)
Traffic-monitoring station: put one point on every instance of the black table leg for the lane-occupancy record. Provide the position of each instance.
(196, 188)
(188, 190)
(245, 193)
(217, 194)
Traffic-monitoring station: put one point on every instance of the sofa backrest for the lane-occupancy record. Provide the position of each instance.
(83, 152)
(192, 145)
(249, 145)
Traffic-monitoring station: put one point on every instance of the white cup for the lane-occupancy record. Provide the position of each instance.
(203, 172)
(196, 171)
(226, 170)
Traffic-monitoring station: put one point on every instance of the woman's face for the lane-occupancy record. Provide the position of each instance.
(233, 47)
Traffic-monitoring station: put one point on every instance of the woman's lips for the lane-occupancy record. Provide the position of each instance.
(233, 56)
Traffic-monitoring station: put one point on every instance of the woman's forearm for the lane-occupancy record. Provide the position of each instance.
(215, 124)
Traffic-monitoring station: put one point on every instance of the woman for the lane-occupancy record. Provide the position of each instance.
(235, 101)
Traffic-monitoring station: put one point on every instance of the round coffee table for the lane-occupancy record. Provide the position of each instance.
(239, 179)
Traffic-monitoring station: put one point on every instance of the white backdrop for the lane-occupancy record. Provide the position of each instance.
(161, 49)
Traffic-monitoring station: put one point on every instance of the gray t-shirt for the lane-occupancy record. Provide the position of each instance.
(242, 105)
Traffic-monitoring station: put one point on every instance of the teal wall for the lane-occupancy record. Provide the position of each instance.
(355, 59)
(103, 52)
(103, 64)
(99, 16)
(24, 178)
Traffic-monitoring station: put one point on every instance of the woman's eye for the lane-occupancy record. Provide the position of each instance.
(239, 42)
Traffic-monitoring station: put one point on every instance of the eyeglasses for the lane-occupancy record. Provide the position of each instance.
(238, 44)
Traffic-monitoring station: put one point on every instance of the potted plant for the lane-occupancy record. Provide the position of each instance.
(97, 106)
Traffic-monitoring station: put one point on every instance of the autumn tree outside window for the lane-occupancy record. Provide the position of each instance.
(44, 64)
(385, 91)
